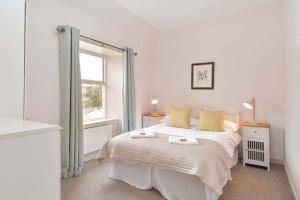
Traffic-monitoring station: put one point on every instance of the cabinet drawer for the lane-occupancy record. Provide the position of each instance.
(256, 133)
(150, 121)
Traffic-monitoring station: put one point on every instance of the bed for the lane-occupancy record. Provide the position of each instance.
(173, 184)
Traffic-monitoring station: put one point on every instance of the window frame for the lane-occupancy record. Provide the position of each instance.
(102, 84)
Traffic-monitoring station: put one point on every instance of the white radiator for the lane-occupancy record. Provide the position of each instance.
(96, 137)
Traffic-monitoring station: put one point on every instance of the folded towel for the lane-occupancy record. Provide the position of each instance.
(182, 140)
(142, 134)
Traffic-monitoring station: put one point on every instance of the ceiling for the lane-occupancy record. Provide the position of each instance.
(170, 14)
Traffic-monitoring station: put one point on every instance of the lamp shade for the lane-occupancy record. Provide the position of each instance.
(154, 101)
(250, 104)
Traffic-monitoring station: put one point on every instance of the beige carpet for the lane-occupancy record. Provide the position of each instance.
(249, 183)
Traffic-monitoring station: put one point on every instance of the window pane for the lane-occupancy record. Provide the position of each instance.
(91, 67)
(92, 102)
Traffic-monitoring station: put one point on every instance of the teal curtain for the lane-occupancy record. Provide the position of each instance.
(71, 102)
(128, 92)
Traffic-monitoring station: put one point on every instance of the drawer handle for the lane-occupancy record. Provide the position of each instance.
(254, 131)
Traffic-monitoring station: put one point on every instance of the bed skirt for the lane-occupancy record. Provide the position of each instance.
(171, 184)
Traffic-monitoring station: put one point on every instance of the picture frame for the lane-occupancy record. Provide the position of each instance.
(202, 76)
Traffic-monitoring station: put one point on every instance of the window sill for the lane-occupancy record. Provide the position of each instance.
(98, 123)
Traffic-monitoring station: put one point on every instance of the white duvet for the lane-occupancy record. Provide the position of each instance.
(228, 139)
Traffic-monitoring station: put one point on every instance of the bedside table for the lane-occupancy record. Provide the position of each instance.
(151, 119)
(256, 142)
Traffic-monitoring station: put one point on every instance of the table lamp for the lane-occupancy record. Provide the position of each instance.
(154, 103)
(251, 106)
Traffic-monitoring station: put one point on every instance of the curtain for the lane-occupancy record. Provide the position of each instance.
(128, 92)
(71, 102)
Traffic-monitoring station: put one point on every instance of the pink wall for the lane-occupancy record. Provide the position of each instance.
(292, 92)
(114, 89)
(247, 50)
(246, 47)
(100, 19)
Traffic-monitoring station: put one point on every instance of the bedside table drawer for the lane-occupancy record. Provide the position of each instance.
(256, 133)
(150, 121)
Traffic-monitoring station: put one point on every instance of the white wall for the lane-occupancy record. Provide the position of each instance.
(12, 15)
(247, 49)
(114, 89)
(292, 91)
(103, 20)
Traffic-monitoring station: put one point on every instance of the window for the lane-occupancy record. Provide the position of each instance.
(93, 86)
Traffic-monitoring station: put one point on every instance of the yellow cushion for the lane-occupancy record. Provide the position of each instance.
(180, 117)
(211, 120)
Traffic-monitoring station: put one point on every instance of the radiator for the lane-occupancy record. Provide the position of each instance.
(95, 138)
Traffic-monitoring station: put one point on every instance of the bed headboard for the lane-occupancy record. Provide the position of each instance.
(234, 117)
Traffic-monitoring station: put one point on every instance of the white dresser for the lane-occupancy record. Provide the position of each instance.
(256, 144)
(29, 160)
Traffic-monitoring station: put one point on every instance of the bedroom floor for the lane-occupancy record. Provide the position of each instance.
(248, 183)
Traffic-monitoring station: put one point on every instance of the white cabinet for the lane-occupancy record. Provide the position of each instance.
(30, 160)
(151, 119)
(256, 144)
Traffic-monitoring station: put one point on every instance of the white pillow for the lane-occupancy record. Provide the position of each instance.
(193, 122)
(231, 126)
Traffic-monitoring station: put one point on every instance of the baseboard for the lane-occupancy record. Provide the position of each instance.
(276, 161)
(90, 156)
(290, 180)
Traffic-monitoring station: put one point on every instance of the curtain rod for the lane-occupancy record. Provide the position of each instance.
(61, 29)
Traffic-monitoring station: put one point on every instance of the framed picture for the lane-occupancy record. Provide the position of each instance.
(203, 75)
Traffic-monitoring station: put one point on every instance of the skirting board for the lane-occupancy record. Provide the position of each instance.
(290, 180)
(90, 156)
(272, 160)
(276, 161)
